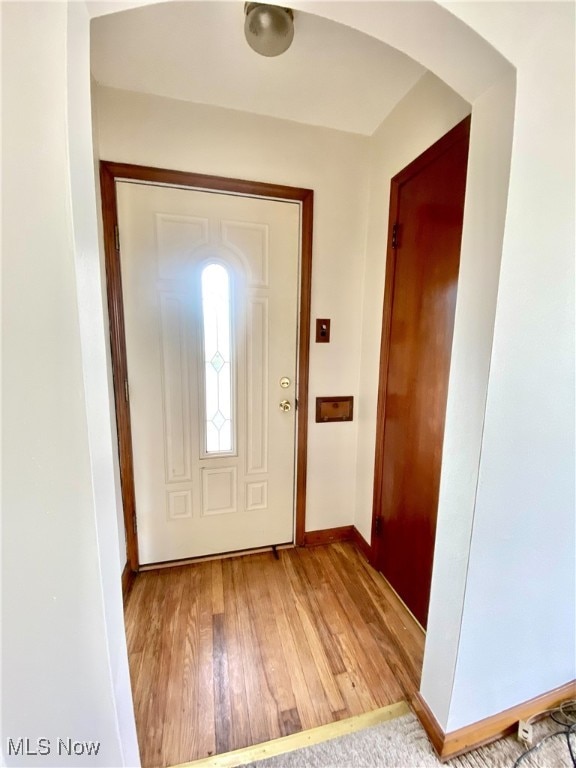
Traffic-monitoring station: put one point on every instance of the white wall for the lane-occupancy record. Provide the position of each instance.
(98, 388)
(523, 527)
(122, 553)
(64, 664)
(428, 111)
(521, 576)
(166, 133)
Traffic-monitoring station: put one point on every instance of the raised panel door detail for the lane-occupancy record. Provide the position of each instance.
(253, 239)
(219, 491)
(257, 368)
(256, 496)
(179, 504)
(177, 237)
(175, 387)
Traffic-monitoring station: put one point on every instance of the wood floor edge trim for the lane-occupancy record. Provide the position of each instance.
(328, 536)
(361, 543)
(455, 743)
(300, 740)
(409, 615)
(128, 577)
(427, 720)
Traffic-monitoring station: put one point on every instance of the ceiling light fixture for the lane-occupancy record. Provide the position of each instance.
(269, 29)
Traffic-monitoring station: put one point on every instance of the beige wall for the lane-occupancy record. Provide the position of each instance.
(350, 176)
(150, 130)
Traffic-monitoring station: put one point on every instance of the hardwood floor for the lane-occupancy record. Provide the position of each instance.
(229, 653)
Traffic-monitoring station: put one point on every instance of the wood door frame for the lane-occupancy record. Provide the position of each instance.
(456, 134)
(110, 173)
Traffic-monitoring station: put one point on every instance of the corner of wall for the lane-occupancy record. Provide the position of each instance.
(122, 552)
(83, 178)
(482, 238)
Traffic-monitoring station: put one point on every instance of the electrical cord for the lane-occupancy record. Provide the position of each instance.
(567, 711)
(537, 746)
(565, 716)
(571, 730)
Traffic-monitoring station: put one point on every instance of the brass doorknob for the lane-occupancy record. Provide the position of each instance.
(285, 405)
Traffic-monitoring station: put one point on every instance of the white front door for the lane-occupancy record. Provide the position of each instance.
(210, 292)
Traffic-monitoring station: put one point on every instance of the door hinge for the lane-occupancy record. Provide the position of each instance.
(135, 524)
(395, 231)
(378, 526)
(126, 391)
(296, 403)
(116, 237)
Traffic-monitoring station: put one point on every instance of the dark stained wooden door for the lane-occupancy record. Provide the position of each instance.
(427, 205)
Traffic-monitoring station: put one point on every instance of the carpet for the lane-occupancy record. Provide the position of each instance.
(402, 743)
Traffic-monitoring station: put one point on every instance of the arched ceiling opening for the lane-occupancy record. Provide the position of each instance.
(332, 75)
(349, 65)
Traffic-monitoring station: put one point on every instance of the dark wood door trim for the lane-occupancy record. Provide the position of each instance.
(459, 132)
(110, 172)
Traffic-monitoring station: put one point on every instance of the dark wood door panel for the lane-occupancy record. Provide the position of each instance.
(428, 210)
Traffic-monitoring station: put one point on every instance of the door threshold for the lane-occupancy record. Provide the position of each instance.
(205, 558)
(300, 740)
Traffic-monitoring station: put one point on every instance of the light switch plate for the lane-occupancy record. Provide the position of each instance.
(322, 330)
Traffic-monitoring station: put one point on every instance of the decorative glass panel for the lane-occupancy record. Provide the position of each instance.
(217, 364)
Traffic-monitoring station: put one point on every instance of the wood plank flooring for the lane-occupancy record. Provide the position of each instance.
(229, 653)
